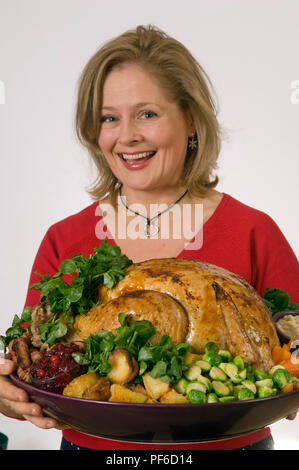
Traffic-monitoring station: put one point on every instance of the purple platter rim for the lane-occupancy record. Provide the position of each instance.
(58, 396)
(179, 423)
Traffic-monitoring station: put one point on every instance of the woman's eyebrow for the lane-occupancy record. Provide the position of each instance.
(137, 105)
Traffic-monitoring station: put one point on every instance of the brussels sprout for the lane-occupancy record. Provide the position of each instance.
(250, 385)
(211, 347)
(197, 396)
(294, 380)
(220, 388)
(230, 386)
(231, 370)
(249, 372)
(181, 386)
(193, 372)
(245, 394)
(217, 374)
(204, 365)
(271, 371)
(226, 355)
(190, 358)
(264, 383)
(260, 374)
(238, 361)
(196, 386)
(250, 376)
(243, 374)
(212, 398)
(206, 381)
(281, 377)
(212, 358)
(237, 388)
(236, 379)
(264, 392)
(228, 398)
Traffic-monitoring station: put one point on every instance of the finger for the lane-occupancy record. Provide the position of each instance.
(292, 416)
(42, 422)
(11, 392)
(62, 426)
(22, 408)
(6, 366)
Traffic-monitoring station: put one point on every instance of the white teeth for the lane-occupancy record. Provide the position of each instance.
(136, 156)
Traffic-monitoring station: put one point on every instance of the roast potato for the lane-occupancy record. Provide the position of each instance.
(100, 391)
(155, 387)
(124, 367)
(191, 358)
(79, 384)
(173, 397)
(120, 393)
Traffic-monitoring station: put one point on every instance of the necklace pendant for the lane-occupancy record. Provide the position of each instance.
(151, 230)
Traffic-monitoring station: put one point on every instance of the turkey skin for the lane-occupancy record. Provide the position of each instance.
(192, 302)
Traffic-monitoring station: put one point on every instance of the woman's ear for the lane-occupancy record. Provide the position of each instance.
(190, 123)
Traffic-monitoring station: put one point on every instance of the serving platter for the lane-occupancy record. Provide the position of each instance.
(276, 317)
(163, 423)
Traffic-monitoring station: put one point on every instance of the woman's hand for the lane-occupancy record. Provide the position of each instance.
(292, 416)
(14, 401)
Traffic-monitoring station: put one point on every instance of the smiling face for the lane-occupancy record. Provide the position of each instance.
(144, 134)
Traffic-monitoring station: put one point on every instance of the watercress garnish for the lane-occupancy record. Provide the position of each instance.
(278, 300)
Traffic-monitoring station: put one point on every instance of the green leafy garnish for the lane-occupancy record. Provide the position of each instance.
(51, 332)
(278, 300)
(131, 336)
(106, 266)
(16, 330)
(68, 299)
(163, 360)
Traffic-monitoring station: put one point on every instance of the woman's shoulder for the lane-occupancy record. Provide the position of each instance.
(74, 234)
(236, 209)
(78, 219)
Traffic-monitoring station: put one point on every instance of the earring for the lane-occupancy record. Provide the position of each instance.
(192, 142)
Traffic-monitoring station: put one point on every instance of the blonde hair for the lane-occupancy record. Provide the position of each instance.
(181, 76)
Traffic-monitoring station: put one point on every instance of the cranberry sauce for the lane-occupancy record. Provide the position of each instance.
(56, 368)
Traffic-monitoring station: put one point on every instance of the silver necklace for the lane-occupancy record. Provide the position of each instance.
(151, 229)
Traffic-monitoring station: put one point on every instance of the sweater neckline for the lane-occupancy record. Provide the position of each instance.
(211, 221)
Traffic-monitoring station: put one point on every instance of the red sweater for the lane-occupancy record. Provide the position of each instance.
(236, 237)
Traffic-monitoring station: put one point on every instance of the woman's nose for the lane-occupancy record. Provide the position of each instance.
(129, 132)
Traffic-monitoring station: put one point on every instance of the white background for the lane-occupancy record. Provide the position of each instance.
(249, 48)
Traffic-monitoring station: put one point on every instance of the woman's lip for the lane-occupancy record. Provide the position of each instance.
(135, 153)
(137, 165)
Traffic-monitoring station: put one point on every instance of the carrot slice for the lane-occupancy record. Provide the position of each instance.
(290, 342)
(287, 388)
(291, 367)
(286, 355)
(276, 354)
(297, 386)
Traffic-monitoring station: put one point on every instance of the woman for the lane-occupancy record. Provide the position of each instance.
(146, 114)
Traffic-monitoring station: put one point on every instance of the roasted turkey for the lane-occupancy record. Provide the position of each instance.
(192, 302)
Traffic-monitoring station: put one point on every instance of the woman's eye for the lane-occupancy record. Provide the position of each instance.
(107, 119)
(149, 114)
